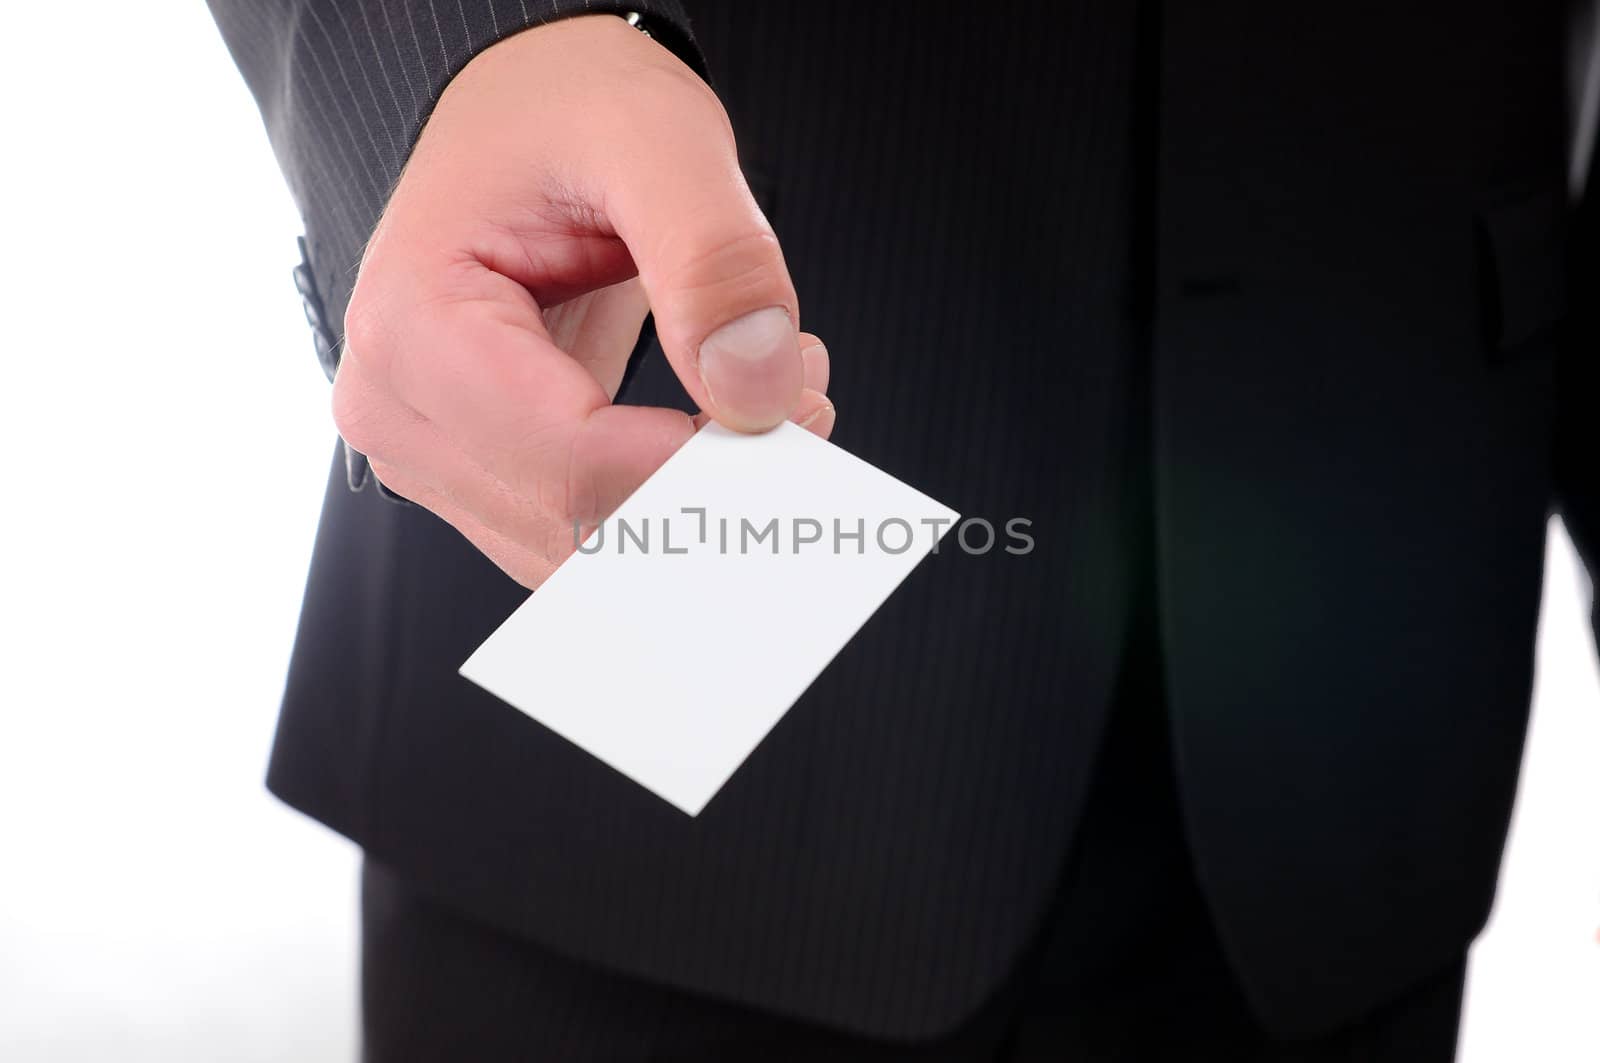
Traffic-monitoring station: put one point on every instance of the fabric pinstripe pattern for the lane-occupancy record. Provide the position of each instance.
(733, 881)
(1013, 234)
(345, 89)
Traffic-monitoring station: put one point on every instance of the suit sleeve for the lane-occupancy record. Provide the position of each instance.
(344, 87)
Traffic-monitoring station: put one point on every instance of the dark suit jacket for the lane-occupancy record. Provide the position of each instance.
(1331, 249)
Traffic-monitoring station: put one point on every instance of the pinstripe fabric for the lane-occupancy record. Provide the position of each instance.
(1012, 234)
(345, 89)
(880, 861)
(1143, 981)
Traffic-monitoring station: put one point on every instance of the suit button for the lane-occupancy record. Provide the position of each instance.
(322, 337)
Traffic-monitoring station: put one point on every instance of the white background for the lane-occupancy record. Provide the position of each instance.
(164, 433)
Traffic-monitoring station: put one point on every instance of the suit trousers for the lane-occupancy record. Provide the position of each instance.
(1126, 967)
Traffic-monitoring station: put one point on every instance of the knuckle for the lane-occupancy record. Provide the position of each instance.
(653, 88)
(528, 463)
(707, 104)
(355, 413)
(364, 332)
(732, 263)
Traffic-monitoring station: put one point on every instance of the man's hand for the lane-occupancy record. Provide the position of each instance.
(571, 178)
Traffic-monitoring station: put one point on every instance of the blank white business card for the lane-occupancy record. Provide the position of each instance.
(696, 615)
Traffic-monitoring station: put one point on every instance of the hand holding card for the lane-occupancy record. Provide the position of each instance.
(694, 617)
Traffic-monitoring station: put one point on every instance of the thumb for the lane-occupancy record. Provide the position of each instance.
(725, 308)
